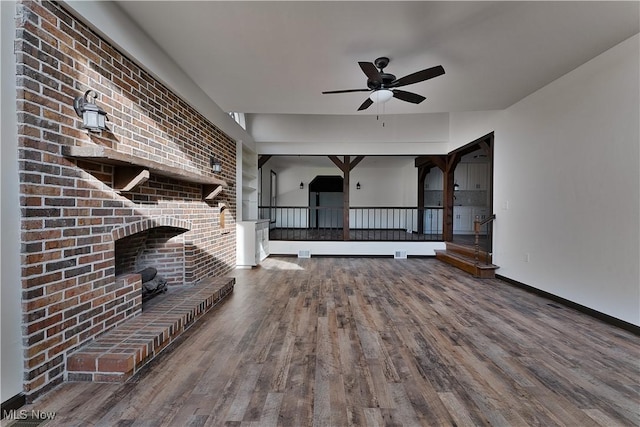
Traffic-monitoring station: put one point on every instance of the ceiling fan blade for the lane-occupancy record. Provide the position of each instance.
(414, 98)
(347, 91)
(371, 71)
(418, 76)
(366, 104)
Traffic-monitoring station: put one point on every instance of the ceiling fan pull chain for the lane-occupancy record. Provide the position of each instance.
(383, 108)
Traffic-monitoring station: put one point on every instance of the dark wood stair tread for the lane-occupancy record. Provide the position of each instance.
(467, 263)
(468, 251)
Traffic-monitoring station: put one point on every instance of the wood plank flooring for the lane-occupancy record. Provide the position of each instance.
(374, 342)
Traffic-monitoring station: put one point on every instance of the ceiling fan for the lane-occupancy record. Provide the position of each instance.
(382, 85)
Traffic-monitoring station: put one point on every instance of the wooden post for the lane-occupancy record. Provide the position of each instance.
(447, 196)
(345, 194)
(422, 175)
(345, 166)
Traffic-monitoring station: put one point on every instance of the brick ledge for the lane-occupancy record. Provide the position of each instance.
(118, 354)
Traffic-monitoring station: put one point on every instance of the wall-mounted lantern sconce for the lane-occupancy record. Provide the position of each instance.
(216, 167)
(301, 185)
(358, 186)
(456, 187)
(93, 117)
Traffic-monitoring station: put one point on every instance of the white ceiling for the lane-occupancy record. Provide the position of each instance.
(277, 57)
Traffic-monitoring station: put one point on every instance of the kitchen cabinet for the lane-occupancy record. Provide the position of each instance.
(460, 176)
(477, 176)
(471, 176)
(462, 219)
(253, 242)
(433, 221)
(433, 181)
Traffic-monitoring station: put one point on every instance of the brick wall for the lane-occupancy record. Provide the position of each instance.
(71, 216)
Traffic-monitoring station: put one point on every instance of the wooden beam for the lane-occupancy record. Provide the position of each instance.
(209, 192)
(485, 147)
(355, 162)
(440, 162)
(126, 178)
(452, 161)
(345, 191)
(422, 176)
(431, 160)
(474, 145)
(262, 160)
(422, 161)
(345, 166)
(337, 162)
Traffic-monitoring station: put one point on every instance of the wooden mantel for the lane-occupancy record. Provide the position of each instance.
(131, 171)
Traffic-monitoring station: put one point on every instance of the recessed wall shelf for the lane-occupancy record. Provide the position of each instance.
(131, 171)
(248, 179)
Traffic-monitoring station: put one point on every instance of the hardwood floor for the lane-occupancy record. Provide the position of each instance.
(374, 342)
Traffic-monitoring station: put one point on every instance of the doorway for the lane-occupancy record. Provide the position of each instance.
(326, 202)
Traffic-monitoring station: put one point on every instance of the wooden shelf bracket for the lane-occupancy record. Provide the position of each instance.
(126, 178)
(210, 192)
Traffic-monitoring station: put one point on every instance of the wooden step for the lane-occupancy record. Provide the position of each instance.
(118, 354)
(469, 252)
(464, 263)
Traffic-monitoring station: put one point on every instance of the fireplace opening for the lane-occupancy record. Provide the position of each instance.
(157, 254)
(152, 283)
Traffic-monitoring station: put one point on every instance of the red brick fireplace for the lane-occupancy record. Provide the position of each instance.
(80, 201)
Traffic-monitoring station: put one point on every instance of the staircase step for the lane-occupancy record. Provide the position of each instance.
(469, 251)
(464, 263)
(118, 354)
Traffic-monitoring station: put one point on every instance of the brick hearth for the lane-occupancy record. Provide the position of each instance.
(120, 353)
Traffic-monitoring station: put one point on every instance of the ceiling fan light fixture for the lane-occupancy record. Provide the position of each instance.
(381, 95)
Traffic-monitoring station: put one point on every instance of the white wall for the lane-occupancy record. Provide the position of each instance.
(467, 126)
(383, 182)
(11, 369)
(411, 134)
(566, 186)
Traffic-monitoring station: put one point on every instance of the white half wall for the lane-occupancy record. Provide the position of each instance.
(11, 369)
(567, 162)
(285, 247)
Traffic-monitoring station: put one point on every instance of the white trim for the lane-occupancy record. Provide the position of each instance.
(10, 290)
